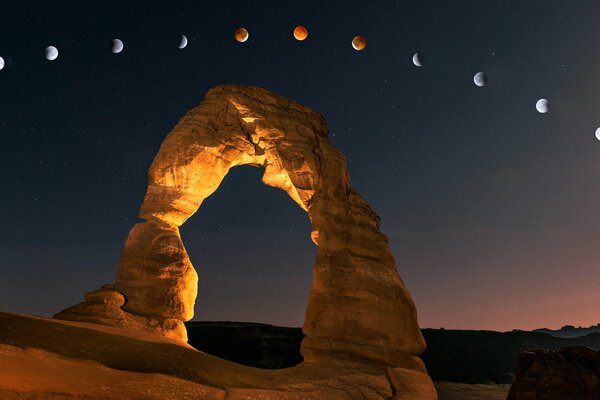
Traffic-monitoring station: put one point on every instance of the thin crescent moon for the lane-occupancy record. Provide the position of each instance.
(183, 42)
(417, 60)
(1, 63)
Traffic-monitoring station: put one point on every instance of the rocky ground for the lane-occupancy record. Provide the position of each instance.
(465, 391)
(42, 358)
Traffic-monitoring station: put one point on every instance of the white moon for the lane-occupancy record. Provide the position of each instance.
(543, 106)
(117, 46)
(51, 53)
(417, 60)
(183, 42)
(480, 79)
(598, 133)
(1, 63)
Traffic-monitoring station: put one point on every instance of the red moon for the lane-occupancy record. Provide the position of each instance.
(241, 35)
(300, 33)
(359, 43)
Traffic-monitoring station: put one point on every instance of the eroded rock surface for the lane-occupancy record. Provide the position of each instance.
(358, 309)
(569, 373)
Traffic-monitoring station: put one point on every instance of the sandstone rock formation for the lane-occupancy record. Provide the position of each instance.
(359, 309)
(569, 373)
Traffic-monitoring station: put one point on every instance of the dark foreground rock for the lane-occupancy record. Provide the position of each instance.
(570, 373)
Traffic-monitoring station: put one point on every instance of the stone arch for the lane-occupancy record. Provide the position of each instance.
(358, 308)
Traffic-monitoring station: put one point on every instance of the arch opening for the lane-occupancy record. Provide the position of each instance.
(252, 251)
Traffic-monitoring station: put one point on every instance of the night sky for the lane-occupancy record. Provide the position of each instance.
(491, 208)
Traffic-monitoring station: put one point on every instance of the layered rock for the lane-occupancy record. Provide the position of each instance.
(359, 309)
(569, 373)
(104, 307)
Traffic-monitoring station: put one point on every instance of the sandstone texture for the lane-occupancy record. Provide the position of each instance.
(571, 373)
(359, 309)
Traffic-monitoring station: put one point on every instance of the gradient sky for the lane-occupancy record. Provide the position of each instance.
(491, 208)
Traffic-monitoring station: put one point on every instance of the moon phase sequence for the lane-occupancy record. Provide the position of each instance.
(543, 106)
(183, 42)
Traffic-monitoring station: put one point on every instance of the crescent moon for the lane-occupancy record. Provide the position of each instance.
(183, 42)
(542, 106)
(1, 63)
(51, 53)
(117, 46)
(417, 60)
(598, 133)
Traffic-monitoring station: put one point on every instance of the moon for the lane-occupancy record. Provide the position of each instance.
(598, 133)
(359, 43)
(241, 35)
(183, 42)
(51, 53)
(543, 106)
(1, 63)
(300, 32)
(480, 79)
(417, 60)
(117, 46)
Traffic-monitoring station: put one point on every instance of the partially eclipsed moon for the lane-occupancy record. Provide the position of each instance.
(480, 79)
(241, 35)
(117, 46)
(1, 63)
(359, 43)
(543, 106)
(598, 133)
(300, 33)
(183, 42)
(51, 53)
(417, 60)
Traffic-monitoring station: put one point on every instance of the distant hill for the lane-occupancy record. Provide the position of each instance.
(569, 331)
(452, 355)
(487, 356)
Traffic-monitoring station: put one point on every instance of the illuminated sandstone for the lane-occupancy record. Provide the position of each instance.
(358, 309)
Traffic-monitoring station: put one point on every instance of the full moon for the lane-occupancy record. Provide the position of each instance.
(359, 43)
(480, 79)
(241, 35)
(1, 63)
(417, 60)
(51, 53)
(300, 33)
(598, 133)
(183, 42)
(117, 46)
(543, 106)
